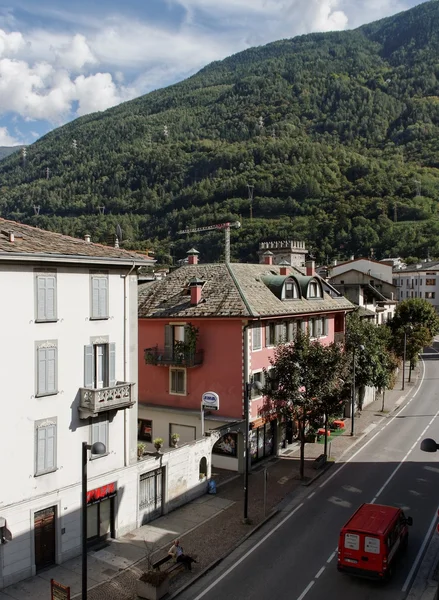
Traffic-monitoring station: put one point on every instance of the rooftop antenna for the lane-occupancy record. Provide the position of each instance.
(101, 209)
(23, 154)
(36, 210)
(250, 198)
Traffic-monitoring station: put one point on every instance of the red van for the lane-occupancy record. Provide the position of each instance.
(371, 540)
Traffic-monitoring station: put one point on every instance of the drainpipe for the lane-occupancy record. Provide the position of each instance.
(125, 362)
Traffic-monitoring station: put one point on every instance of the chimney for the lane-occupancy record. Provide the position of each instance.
(196, 285)
(268, 257)
(87, 238)
(283, 270)
(310, 268)
(192, 256)
(11, 236)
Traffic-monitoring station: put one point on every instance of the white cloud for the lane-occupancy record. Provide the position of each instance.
(96, 92)
(75, 54)
(6, 139)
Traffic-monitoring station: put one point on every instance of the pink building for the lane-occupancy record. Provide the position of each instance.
(213, 327)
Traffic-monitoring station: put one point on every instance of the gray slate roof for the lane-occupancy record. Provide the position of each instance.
(234, 290)
(32, 240)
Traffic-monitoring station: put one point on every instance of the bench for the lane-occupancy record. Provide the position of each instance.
(319, 462)
(171, 567)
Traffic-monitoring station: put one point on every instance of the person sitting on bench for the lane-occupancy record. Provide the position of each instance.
(176, 551)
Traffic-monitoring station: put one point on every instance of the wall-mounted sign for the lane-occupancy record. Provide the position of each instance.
(59, 591)
(102, 493)
(210, 400)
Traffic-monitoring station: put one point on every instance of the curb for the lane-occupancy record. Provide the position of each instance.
(217, 561)
(424, 586)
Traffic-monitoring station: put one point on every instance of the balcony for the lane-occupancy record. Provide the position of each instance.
(339, 337)
(92, 401)
(173, 357)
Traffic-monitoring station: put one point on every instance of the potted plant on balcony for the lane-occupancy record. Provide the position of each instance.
(175, 438)
(158, 443)
(141, 446)
(150, 355)
(180, 350)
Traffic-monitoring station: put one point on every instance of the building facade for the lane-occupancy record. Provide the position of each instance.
(214, 327)
(418, 281)
(70, 376)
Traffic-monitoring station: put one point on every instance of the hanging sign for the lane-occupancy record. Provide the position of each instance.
(59, 591)
(210, 400)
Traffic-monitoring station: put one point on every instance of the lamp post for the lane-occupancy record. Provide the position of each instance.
(409, 327)
(96, 448)
(361, 347)
(247, 392)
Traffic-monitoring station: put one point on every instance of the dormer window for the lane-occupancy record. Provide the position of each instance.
(314, 290)
(291, 291)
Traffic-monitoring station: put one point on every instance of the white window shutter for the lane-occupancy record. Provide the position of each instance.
(50, 297)
(51, 370)
(95, 431)
(103, 296)
(42, 370)
(88, 367)
(95, 297)
(112, 365)
(41, 298)
(41, 449)
(50, 447)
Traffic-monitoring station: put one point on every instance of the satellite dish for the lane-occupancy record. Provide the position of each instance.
(119, 233)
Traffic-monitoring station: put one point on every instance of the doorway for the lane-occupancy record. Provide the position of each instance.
(150, 495)
(44, 528)
(100, 520)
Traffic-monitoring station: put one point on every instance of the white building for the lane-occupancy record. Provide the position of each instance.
(68, 314)
(419, 281)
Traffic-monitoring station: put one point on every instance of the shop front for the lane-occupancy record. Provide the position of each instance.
(101, 513)
(262, 440)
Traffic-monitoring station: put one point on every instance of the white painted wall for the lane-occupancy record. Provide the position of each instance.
(378, 270)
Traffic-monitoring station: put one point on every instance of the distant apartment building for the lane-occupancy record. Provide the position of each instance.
(418, 281)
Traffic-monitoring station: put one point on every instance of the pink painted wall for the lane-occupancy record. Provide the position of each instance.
(221, 371)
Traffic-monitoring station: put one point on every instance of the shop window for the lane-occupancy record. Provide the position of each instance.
(227, 445)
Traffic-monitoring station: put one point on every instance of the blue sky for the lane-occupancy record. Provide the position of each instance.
(61, 59)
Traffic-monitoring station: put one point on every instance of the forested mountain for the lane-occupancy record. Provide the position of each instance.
(337, 132)
(7, 150)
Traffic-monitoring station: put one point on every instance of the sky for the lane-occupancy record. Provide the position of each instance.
(60, 59)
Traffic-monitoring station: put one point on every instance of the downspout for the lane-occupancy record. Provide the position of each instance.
(126, 454)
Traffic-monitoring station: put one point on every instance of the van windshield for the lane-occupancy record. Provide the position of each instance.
(371, 545)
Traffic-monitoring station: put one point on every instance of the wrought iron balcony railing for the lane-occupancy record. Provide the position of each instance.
(173, 357)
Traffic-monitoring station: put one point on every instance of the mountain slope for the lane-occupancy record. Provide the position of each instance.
(337, 132)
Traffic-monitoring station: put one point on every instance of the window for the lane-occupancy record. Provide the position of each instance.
(45, 291)
(257, 377)
(177, 381)
(256, 337)
(99, 296)
(291, 290)
(271, 381)
(187, 433)
(173, 335)
(100, 366)
(47, 367)
(430, 282)
(314, 290)
(325, 326)
(144, 430)
(416, 282)
(99, 432)
(420, 294)
(430, 295)
(270, 334)
(291, 330)
(45, 446)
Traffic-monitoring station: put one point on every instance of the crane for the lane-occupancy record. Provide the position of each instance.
(225, 226)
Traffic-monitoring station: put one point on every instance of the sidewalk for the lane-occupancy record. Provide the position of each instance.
(209, 527)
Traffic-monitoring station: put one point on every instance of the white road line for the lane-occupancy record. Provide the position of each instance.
(305, 591)
(310, 496)
(320, 572)
(238, 562)
(331, 557)
(420, 553)
(374, 436)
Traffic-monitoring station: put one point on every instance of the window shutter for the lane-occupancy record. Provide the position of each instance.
(173, 380)
(256, 337)
(95, 431)
(95, 297)
(41, 298)
(88, 366)
(41, 449)
(267, 335)
(42, 370)
(112, 365)
(50, 312)
(50, 447)
(325, 326)
(103, 296)
(168, 339)
(50, 369)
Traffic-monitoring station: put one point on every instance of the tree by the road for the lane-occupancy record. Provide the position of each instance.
(308, 382)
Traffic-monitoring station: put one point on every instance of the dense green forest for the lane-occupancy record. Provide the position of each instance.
(338, 133)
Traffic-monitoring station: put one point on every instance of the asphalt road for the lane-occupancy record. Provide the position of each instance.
(294, 557)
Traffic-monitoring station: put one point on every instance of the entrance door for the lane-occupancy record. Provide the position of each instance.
(150, 495)
(100, 520)
(44, 527)
(100, 365)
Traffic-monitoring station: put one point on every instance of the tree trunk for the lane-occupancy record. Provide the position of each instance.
(410, 371)
(382, 406)
(325, 450)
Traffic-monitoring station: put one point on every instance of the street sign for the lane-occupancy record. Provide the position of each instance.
(59, 591)
(210, 400)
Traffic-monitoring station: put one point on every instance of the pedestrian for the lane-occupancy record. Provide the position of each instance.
(176, 551)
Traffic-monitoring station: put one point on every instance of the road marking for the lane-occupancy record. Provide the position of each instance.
(311, 495)
(305, 591)
(247, 554)
(320, 572)
(420, 553)
(374, 436)
(331, 557)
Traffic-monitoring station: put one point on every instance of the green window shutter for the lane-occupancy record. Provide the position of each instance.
(88, 366)
(112, 365)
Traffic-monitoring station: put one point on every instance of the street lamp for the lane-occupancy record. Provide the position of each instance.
(361, 347)
(257, 385)
(409, 327)
(96, 448)
(429, 445)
